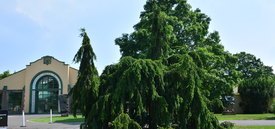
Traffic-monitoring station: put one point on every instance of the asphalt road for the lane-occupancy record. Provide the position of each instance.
(15, 122)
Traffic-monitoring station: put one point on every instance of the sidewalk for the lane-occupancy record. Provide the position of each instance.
(15, 122)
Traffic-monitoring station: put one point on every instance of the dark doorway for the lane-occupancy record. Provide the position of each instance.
(15, 102)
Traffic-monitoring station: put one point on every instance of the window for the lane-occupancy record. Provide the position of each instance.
(15, 102)
(47, 89)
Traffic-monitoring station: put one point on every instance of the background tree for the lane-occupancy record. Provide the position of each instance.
(257, 86)
(85, 91)
(257, 94)
(5, 74)
(251, 67)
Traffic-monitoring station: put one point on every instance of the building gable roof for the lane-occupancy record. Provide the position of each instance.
(47, 56)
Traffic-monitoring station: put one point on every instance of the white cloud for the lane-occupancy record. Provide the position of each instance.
(46, 12)
(34, 9)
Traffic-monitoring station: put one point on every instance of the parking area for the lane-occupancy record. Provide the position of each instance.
(15, 122)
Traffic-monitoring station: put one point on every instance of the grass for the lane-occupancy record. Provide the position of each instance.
(79, 118)
(59, 119)
(254, 127)
(267, 116)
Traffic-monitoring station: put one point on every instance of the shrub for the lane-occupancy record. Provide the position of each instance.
(123, 121)
(256, 94)
(272, 108)
(227, 125)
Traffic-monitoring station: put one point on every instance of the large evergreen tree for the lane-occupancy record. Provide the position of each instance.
(162, 79)
(85, 91)
(183, 30)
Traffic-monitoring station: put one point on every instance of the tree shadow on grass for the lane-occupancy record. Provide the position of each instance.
(270, 118)
(72, 121)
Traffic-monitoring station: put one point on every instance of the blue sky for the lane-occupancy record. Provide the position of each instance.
(30, 29)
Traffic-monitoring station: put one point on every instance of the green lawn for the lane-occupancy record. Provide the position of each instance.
(60, 119)
(267, 116)
(79, 118)
(254, 127)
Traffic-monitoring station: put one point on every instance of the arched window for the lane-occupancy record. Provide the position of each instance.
(46, 87)
(47, 83)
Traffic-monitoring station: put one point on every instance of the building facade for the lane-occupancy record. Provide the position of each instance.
(36, 89)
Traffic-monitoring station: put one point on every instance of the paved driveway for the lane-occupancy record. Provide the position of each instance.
(15, 121)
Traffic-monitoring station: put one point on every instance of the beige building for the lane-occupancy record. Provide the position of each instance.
(37, 88)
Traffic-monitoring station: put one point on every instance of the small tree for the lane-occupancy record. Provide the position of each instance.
(5, 74)
(85, 91)
(257, 94)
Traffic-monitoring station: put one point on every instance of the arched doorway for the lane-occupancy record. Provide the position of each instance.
(46, 88)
